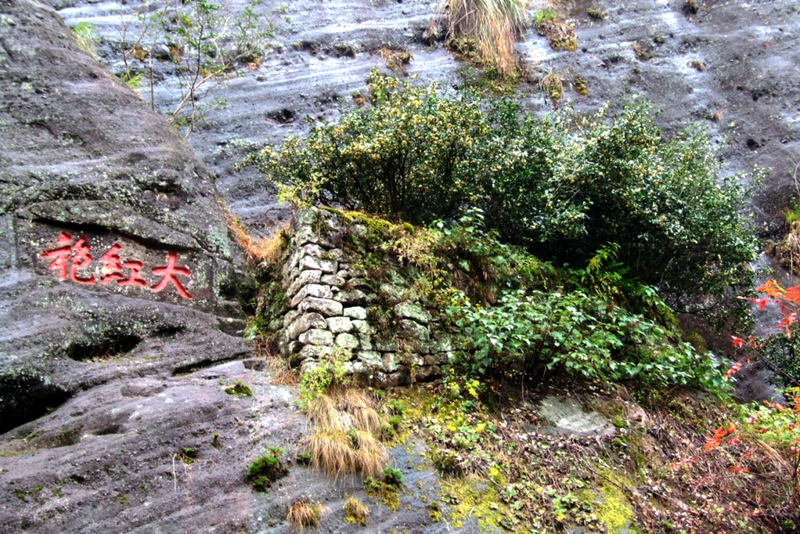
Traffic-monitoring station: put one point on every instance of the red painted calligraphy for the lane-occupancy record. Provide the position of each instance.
(81, 260)
(168, 272)
(112, 268)
(133, 279)
(68, 259)
(60, 255)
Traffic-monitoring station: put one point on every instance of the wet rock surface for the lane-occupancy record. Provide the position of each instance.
(730, 67)
(169, 454)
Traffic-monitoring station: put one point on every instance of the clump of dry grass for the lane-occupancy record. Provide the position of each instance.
(363, 415)
(266, 249)
(355, 512)
(325, 413)
(369, 455)
(331, 452)
(345, 441)
(303, 515)
(493, 24)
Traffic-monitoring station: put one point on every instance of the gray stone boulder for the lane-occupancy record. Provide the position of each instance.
(114, 258)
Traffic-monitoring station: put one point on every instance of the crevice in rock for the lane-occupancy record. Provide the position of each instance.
(202, 364)
(104, 350)
(26, 398)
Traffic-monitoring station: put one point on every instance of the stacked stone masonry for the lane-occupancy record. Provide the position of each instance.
(328, 298)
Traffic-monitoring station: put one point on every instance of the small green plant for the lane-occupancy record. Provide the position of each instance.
(392, 476)
(355, 512)
(239, 389)
(395, 421)
(85, 37)
(328, 372)
(386, 432)
(187, 455)
(263, 471)
(303, 458)
(397, 406)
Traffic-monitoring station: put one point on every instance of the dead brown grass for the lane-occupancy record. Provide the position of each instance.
(324, 412)
(331, 452)
(369, 456)
(344, 441)
(267, 249)
(303, 515)
(357, 405)
(493, 24)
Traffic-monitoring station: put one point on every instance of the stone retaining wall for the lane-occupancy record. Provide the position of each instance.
(325, 299)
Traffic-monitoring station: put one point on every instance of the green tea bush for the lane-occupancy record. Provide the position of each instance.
(410, 155)
(570, 185)
(563, 186)
(524, 332)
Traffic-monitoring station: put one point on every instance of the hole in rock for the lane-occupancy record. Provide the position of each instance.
(104, 350)
(27, 398)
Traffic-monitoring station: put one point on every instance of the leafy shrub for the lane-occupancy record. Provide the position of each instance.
(579, 333)
(409, 155)
(563, 186)
(392, 476)
(569, 185)
(328, 372)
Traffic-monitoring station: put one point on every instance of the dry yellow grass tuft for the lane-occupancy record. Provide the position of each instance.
(325, 413)
(331, 452)
(369, 456)
(268, 249)
(493, 24)
(303, 515)
(360, 409)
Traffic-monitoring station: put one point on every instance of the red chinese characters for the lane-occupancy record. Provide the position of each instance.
(168, 272)
(74, 262)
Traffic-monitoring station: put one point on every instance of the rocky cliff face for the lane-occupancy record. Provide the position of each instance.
(115, 259)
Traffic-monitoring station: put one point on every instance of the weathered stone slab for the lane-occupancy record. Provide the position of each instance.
(339, 325)
(328, 308)
(316, 336)
(305, 322)
(355, 312)
(412, 311)
(311, 290)
(347, 341)
(304, 278)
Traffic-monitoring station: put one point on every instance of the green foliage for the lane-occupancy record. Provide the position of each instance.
(395, 421)
(239, 389)
(397, 406)
(409, 155)
(582, 330)
(85, 37)
(328, 372)
(265, 470)
(563, 186)
(782, 352)
(544, 15)
(392, 476)
(570, 185)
